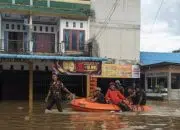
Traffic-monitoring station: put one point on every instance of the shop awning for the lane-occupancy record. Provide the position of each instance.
(44, 57)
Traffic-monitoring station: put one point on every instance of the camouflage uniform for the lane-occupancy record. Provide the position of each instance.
(55, 95)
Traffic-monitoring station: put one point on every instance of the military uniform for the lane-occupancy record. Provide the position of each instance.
(55, 95)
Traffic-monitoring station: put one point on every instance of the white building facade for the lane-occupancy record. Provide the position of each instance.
(116, 29)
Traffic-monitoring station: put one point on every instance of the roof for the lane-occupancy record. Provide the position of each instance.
(149, 58)
(43, 57)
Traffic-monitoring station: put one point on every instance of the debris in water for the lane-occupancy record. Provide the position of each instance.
(26, 118)
(20, 108)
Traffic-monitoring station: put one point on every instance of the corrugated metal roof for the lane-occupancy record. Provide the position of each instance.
(43, 57)
(148, 58)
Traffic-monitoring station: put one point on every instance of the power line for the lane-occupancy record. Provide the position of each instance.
(113, 10)
(157, 14)
(107, 19)
(116, 5)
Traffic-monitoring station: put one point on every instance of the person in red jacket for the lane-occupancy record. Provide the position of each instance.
(115, 97)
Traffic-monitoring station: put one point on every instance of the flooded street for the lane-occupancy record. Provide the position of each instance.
(14, 115)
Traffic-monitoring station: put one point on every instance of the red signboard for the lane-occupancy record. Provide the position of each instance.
(70, 67)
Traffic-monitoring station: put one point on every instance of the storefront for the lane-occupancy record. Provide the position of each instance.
(161, 74)
(162, 80)
(128, 75)
(82, 69)
(21, 77)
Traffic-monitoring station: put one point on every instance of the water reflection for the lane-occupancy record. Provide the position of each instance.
(99, 121)
(14, 115)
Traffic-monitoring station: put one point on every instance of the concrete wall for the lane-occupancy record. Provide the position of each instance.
(121, 37)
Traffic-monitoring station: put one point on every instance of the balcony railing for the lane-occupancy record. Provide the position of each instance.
(21, 47)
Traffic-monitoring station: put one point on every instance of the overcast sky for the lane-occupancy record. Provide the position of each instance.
(164, 35)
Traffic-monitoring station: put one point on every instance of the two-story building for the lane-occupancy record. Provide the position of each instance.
(36, 33)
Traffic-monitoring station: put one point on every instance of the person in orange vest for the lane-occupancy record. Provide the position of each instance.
(115, 97)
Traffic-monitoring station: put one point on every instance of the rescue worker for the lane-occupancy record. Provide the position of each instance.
(55, 93)
(140, 96)
(119, 86)
(98, 96)
(114, 96)
(132, 95)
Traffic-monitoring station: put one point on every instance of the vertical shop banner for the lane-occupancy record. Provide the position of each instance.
(77, 67)
(135, 71)
(116, 71)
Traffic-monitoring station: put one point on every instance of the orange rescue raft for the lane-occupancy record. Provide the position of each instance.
(87, 106)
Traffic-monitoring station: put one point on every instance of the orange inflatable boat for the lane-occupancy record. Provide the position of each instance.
(87, 106)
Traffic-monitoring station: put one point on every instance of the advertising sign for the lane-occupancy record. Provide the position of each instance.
(135, 71)
(116, 71)
(77, 67)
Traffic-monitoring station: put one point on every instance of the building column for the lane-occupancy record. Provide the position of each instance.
(48, 3)
(59, 45)
(169, 85)
(13, 2)
(87, 85)
(146, 83)
(88, 30)
(31, 2)
(30, 40)
(30, 87)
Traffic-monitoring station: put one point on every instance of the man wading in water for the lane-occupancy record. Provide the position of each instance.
(55, 93)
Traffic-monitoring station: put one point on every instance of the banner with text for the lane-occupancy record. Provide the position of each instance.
(77, 67)
(120, 71)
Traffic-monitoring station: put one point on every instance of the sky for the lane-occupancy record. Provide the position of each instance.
(162, 34)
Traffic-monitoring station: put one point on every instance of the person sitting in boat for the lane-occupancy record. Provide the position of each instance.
(119, 86)
(98, 96)
(132, 95)
(140, 97)
(55, 93)
(114, 96)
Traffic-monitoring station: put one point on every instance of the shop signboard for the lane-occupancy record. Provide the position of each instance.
(135, 71)
(116, 71)
(77, 67)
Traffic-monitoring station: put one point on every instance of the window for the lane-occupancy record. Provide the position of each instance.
(18, 27)
(81, 40)
(175, 81)
(40, 28)
(157, 84)
(15, 41)
(66, 39)
(24, 27)
(7, 26)
(52, 29)
(67, 24)
(74, 39)
(81, 25)
(35, 28)
(12, 26)
(46, 29)
(74, 24)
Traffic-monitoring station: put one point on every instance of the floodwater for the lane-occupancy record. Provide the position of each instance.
(14, 116)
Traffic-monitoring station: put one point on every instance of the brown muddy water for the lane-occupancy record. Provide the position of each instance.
(14, 116)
